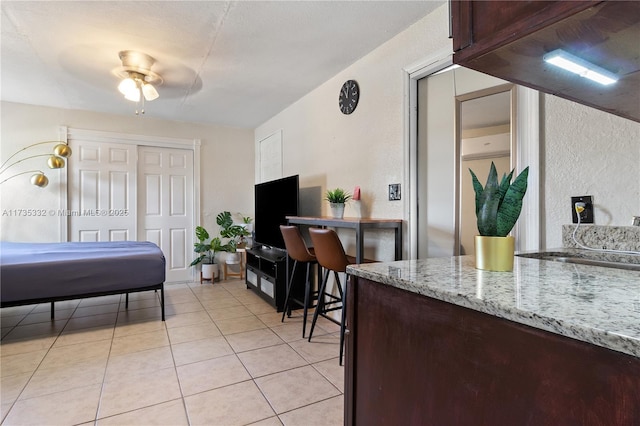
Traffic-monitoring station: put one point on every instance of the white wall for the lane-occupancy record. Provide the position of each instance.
(227, 157)
(584, 151)
(588, 152)
(329, 149)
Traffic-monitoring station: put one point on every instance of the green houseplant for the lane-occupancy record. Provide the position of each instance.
(247, 227)
(236, 235)
(228, 229)
(337, 198)
(206, 250)
(229, 239)
(498, 206)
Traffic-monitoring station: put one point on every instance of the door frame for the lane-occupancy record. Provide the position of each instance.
(528, 229)
(69, 133)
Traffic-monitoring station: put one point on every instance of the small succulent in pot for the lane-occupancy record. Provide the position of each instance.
(338, 195)
(498, 205)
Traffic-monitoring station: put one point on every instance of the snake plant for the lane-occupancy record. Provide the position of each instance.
(498, 205)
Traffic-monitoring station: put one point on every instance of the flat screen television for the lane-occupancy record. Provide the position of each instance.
(274, 201)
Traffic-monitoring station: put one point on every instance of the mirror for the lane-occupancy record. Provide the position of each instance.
(484, 134)
(448, 104)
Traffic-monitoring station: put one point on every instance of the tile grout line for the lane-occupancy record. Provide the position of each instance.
(243, 302)
(252, 379)
(106, 367)
(175, 367)
(33, 373)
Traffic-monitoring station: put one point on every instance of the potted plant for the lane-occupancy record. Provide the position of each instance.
(337, 199)
(234, 232)
(247, 228)
(498, 207)
(206, 250)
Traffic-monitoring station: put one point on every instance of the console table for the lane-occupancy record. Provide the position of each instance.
(359, 225)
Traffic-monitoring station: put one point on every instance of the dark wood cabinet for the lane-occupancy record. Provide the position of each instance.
(508, 39)
(266, 273)
(414, 360)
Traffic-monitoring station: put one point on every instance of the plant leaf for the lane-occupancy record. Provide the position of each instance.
(511, 205)
(489, 203)
(337, 195)
(477, 187)
(504, 184)
(224, 219)
(201, 234)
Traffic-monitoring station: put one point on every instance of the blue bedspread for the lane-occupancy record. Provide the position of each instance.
(39, 271)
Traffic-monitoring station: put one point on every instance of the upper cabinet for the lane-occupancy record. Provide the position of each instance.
(509, 39)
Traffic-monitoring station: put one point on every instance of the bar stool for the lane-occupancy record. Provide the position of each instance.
(298, 251)
(331, 256)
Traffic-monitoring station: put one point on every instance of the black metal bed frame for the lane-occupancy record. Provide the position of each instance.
(155, 287)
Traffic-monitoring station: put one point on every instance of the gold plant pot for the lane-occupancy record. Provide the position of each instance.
(494, 253)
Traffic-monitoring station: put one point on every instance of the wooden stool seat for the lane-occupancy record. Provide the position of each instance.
(241, 263)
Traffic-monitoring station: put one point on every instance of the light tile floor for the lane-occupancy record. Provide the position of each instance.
(222, 357)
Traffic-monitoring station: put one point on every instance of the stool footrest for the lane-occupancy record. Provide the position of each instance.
(333, 320)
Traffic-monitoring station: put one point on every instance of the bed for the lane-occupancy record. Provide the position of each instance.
(49, 272)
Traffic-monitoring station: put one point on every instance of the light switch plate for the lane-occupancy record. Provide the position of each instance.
(394, 192)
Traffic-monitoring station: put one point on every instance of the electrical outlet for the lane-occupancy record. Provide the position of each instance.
(586, 216)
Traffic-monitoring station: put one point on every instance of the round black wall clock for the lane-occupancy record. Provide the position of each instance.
(349, 95)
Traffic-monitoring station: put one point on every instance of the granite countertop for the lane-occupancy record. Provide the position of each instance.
(594, 304)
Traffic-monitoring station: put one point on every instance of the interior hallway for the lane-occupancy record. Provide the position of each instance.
(221, 358)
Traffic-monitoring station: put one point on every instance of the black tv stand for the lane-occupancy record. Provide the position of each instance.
(267, 274)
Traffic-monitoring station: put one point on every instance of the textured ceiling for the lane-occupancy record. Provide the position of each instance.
(234, 63)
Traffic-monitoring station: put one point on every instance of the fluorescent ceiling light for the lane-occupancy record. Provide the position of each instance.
(579, 66)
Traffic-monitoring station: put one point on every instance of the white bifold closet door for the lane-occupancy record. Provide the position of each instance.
(121, 192)
(165, 200)
(102, 192)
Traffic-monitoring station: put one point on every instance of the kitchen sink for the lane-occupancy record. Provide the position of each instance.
(619, 261)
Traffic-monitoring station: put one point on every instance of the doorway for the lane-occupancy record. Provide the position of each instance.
(484, 136)
(435, 91)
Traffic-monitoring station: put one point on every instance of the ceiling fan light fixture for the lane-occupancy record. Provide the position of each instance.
(138, 82)
(150, 93)
(133, 95)
(127, 85)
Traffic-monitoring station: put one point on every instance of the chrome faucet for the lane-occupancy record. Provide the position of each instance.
(635, 221)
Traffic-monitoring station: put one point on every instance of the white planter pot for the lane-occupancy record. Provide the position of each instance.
(233, 258)
(337, 210)
(209, 271)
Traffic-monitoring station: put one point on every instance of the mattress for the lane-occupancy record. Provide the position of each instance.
(41, 271)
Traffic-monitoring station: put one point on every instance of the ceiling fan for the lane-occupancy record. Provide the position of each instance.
(138, 83)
